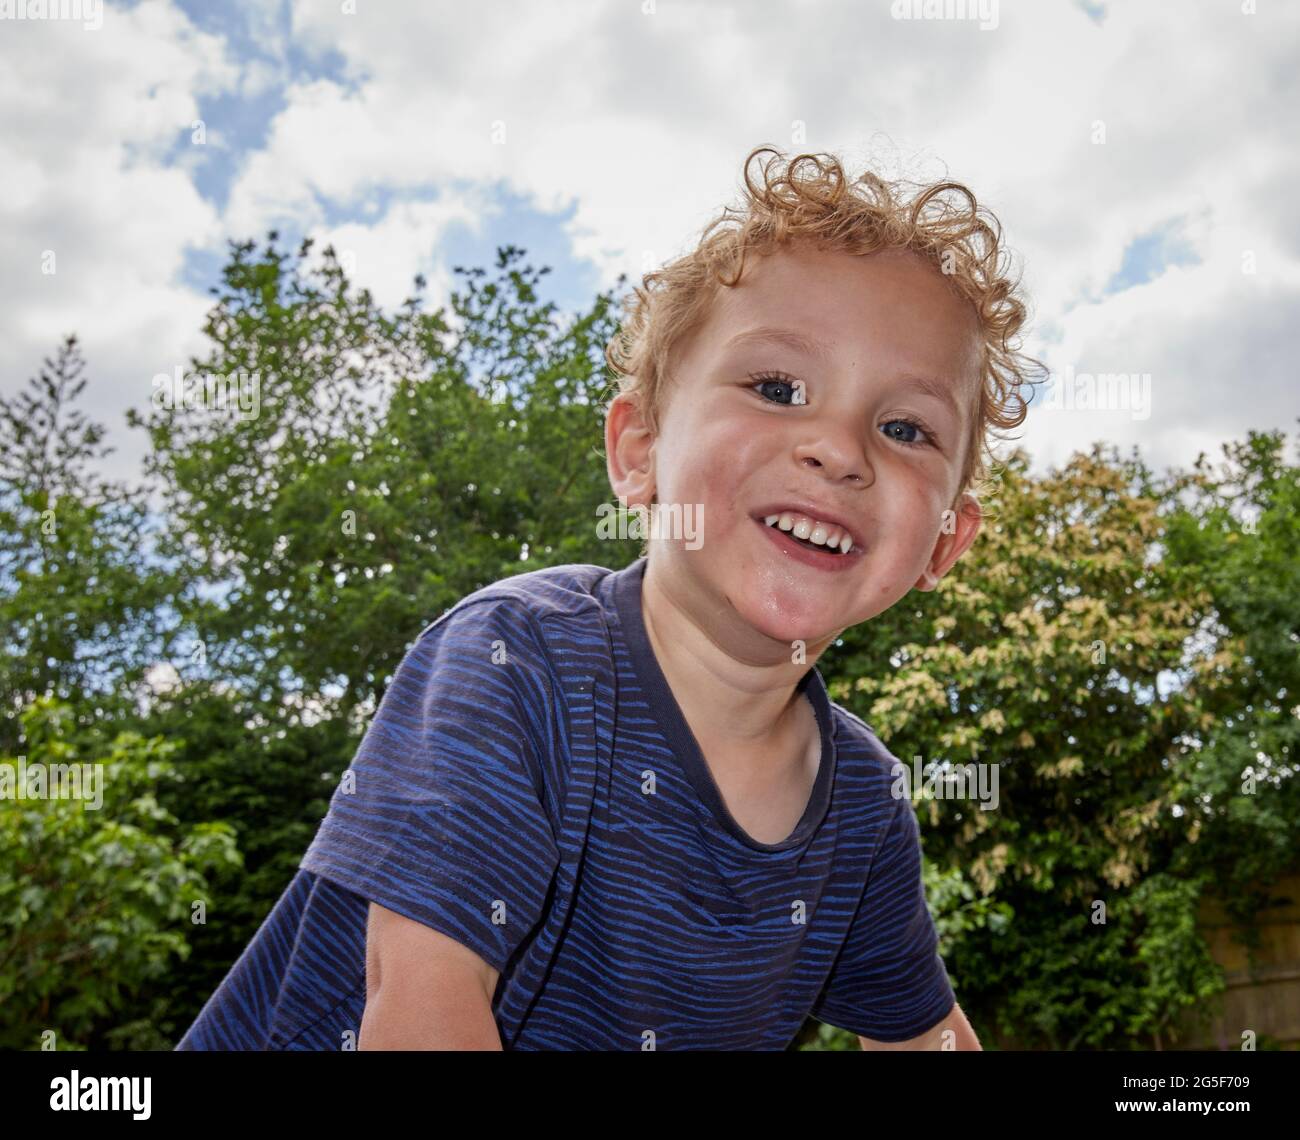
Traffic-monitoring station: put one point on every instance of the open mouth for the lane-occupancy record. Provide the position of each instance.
(828, 537)
(821, 545)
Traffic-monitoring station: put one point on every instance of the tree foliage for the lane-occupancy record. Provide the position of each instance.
(96, 898)
(81, 610)
(398, 462)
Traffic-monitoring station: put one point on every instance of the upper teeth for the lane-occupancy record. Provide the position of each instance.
(824, 534)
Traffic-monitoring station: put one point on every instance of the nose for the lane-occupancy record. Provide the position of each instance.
(839, 457)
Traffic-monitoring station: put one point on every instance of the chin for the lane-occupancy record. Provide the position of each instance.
(782, 617)
(779, 603)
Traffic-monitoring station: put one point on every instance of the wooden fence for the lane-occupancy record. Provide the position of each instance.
(1263, 995)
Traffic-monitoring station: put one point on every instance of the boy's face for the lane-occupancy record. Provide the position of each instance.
(736, 442)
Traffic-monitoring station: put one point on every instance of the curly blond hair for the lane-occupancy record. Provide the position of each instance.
(809, 198)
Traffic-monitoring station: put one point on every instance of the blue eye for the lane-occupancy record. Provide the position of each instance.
(913, 427)
(783, 389)
(778, 388)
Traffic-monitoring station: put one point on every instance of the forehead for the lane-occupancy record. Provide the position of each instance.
(889, 309)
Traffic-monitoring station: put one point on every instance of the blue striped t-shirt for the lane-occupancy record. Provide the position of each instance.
(530, 788)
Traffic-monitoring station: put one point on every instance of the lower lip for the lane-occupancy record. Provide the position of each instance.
(817, 559)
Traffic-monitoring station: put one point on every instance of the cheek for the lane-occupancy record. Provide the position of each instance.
(713, 475)
(911, 516)
(910, 497)
(713, 465)
(707, 455)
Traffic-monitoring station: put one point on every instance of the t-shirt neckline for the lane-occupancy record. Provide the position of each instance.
(672, 721)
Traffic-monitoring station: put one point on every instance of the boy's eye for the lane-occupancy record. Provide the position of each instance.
(909, 429)
(779, 389)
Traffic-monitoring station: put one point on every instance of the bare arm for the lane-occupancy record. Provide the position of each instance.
(423, 989)
(955, 1023)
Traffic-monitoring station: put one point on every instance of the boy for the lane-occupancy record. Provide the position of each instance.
(617, 810)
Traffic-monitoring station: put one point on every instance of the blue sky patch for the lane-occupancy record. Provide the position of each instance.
(1149, 255)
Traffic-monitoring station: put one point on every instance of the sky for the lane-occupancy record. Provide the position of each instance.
(1140, 156)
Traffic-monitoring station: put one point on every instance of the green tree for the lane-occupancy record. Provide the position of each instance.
(97, 891)
(397, 462)
(80, 602)
(1236, 530)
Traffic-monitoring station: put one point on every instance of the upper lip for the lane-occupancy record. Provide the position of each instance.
(809, 510)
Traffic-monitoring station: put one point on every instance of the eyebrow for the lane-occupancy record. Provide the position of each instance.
(936, 388)
(787, 337)
(800, 342)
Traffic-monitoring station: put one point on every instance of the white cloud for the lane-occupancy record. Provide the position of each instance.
(386, 256)
(639, 121)
(100, 112)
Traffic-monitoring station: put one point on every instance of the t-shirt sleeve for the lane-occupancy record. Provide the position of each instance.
(442, 815)
(889, 982)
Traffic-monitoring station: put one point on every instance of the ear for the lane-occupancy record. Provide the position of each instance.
(629, 451)
(958, 531)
